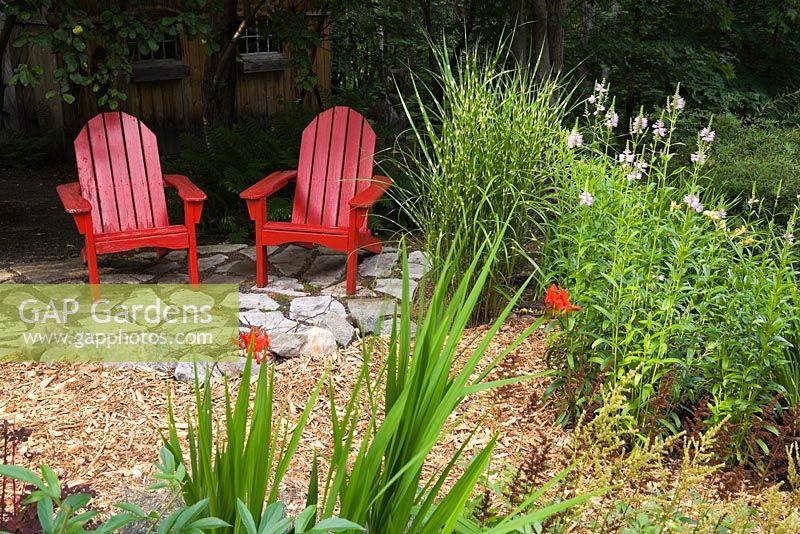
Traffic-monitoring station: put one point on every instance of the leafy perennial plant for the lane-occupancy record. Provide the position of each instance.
(701, 307)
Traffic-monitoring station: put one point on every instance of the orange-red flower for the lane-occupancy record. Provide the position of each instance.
(557, 300)
(258, 338)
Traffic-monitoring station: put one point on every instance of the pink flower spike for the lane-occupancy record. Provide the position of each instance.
(574, 139)
(586, 199)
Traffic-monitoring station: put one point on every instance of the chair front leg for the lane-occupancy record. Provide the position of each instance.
(89, 252)
(257, 208)
(357, 216)
(192, 212)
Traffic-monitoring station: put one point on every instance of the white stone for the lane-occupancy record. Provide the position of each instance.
(185, 371)
(48, 272)
(311, 309)
(238, 267)
(394, 287)
(311, 342)
(380, 265)
(341, 329)
(6, 275)
(326, 270)
(184, 297)
(416, 271)
(419, 257)
(369, 313)
(222, 248)
(209, 262)
(257, 301)
(273, 322)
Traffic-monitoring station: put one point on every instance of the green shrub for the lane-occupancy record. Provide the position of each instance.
(757, 160)
(699, 306)
(484, 158)
(229, 160)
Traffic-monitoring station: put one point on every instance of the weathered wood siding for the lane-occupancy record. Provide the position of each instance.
(173, 106)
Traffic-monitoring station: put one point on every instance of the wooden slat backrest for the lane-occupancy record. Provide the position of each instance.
(120, 173)
(336, 159)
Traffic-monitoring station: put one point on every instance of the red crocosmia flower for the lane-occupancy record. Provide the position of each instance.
(258, 337)
(557, 300)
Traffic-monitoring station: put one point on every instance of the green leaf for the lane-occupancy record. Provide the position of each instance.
(68, 98)
(22, 474)
(335, 524)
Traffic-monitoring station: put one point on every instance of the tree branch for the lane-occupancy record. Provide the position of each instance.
(227, 55)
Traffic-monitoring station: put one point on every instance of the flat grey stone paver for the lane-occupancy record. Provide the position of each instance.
(223, 248)
(326, 270)
(291, 260)
(313, 308)
(209, 262)
(257, 301)
(394, 287)
(378, 266)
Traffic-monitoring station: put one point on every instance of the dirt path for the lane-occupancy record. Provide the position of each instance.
(33, 225)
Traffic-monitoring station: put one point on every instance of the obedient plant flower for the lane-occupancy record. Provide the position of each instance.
(599, 87)
(678, 102)
(693, 201)
(752, 200)
(574, 139)
(259, 338)
(639, 125)
(789, 238)
(739, 231)
(698, 158)
(635, 175)
(627, 157)
(707, 135)
(586, 199)
(612, 120)
(592, 99)
(659, 128)
(716, 215)
(557, 300)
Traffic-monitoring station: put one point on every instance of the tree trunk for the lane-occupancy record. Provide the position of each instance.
(519, 42)
(5, 37)
(219, 73)
(541, 44)
(556, 12)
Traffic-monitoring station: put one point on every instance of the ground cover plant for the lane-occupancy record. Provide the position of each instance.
(702, 307)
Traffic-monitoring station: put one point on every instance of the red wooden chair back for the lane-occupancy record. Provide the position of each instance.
(120, 174)
(336, 156)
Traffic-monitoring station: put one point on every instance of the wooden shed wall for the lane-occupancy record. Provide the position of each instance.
(173, 106)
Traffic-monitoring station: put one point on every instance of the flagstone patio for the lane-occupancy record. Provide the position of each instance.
(304, 307)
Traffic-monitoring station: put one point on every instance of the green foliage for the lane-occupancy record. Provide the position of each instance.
(229, 160)
(249, 463)
(727, 55)
(72, 33)
(482, 166)
(378, 481)
(59, 513)
(701, 308)
(757, 161)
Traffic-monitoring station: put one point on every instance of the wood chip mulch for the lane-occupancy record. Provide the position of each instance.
(103, 425)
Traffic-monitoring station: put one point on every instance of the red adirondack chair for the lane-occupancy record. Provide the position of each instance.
(335, 190)
(118, 201)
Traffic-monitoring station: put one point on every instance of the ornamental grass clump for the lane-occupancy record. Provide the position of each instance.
(482, 162)
(702, 308)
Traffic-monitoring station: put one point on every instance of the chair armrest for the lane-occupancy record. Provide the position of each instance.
(269, 185)
(370, 195)
(186, 189)
(70, 195)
